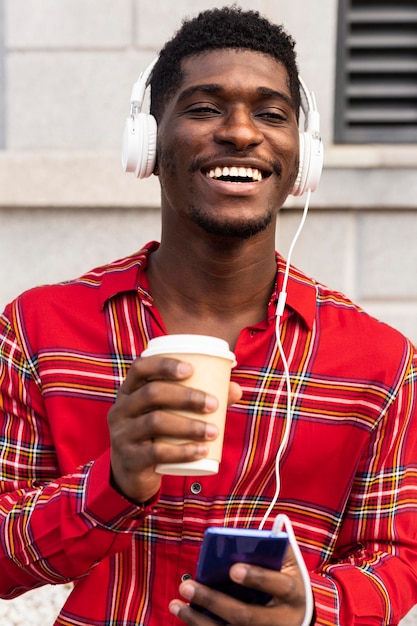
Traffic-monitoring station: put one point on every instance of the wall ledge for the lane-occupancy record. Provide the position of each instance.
(371, 156)
(353, 178)
(71, 179)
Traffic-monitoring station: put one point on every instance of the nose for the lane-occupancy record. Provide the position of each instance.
(239, 129)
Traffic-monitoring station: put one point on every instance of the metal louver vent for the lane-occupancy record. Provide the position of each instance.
(376, 81)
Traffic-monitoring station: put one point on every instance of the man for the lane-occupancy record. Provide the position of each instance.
(82, 502)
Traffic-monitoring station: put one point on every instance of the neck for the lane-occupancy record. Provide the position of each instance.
(212, 287)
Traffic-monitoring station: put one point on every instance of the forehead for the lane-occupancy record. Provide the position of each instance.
(232, 68)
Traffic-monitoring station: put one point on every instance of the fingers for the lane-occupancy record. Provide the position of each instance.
(217, 604)
(287, 607)
(285, 585)
(158, 405)
(154, 368)
(235, 393)
(137, 447)
(214, 603)
(190, 616)
(166, 369)
(151, 384)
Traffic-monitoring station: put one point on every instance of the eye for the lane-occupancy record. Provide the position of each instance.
(274, 115)
(203, 110)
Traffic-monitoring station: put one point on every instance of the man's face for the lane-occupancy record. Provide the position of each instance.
(228, 143)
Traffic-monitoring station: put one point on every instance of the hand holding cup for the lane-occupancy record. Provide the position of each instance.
(154, 404)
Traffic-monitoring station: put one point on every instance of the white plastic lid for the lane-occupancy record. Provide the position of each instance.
(189, 344)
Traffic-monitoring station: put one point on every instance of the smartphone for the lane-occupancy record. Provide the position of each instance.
(222, 547)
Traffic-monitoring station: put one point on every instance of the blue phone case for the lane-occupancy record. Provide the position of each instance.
(222, 547)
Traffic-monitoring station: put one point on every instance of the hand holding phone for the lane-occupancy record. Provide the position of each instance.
(222, 547)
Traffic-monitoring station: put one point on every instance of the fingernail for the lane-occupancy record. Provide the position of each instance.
(174, 608)
(187, 590)
(184, 369)
(211, 403)
(211, 431)
(202, 449)
(238, 573)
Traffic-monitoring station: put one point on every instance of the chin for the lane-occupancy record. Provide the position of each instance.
(232, 228)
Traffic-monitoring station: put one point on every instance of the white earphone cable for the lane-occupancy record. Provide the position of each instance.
(283, 520)
(280, 309)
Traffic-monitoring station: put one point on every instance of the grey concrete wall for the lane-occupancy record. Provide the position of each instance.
(2, 78)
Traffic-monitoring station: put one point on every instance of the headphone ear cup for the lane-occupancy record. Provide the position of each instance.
(301, 169)
(139, 145)
(310, 164)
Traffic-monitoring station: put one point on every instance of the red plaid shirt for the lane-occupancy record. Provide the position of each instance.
(349, 473)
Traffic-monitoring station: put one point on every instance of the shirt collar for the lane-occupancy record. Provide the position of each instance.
(301, 291)
(128, 275)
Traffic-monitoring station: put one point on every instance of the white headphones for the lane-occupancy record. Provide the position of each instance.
(139, 137)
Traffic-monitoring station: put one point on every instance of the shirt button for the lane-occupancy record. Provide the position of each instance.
(196, 488)
(185, 577)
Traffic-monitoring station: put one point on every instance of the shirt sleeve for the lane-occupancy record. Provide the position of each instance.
(372, 579)
(53, 528)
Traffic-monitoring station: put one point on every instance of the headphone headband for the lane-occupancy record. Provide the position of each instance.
(140, 133)
(138, 90)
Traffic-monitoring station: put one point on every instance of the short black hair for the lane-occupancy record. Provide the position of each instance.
(220, 28)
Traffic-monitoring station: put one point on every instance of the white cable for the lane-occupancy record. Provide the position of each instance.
(282, 519)
(285, 436)
(280, 309)
(294, 241)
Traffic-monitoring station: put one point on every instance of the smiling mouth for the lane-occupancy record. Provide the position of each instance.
(236, 174)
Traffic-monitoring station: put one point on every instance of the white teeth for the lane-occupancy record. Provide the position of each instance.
(236, 172)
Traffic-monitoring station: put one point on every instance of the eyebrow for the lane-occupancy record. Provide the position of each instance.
(215, 89)
(266, 92)
(211, 88)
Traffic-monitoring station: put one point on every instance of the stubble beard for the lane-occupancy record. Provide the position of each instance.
(212, 225)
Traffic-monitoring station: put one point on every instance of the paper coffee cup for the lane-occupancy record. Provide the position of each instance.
(212, 361)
